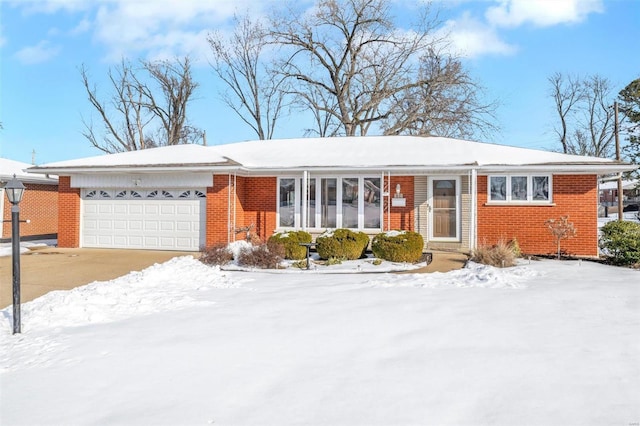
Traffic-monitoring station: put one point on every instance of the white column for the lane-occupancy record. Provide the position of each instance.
(305, 199)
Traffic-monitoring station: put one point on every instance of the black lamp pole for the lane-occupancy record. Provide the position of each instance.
(14, 190)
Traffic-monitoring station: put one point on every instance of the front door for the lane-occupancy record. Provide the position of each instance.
(444, 209)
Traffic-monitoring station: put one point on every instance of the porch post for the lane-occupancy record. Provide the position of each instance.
(473, 227)
(305, 200)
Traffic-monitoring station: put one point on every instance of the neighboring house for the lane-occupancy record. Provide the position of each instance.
(39, 204)
(609, 192)
(457, 194)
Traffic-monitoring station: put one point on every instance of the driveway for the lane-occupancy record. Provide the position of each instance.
(50, 268)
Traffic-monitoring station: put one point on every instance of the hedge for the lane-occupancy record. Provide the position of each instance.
(398, 246)
(291, 243)
(342, 244)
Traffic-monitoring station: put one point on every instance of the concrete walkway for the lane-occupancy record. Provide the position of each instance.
(50, 268)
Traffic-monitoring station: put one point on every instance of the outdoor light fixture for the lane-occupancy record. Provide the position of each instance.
(15, 190)
(398, 199)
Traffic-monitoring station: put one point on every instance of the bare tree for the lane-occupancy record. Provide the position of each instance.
(142, 115)
(584, 107)
(351, 66)
(255, 90)
(448, 105)
(566, 94)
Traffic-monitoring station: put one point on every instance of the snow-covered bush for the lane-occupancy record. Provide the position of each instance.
(342, 244)
(217, 254)
(398, 246)
(291, 243)
(262, 256)
(621, 241)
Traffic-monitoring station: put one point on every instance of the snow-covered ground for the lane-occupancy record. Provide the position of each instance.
(546, 343)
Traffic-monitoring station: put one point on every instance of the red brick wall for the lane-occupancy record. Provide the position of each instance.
(402, 218)
(68, 213)
(573, 195)
(40, 206)
(258, 200)
(254, 200)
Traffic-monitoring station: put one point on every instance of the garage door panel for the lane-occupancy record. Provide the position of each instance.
(105, 209)
(105, 224)
(182, 225)
(168, 209)
(136, 208)
(165, 224)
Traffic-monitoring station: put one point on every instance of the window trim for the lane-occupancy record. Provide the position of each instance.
(529, 200)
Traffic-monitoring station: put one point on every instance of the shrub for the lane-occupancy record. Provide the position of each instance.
(263, 256)
(291, 243)
(217, 254)
(343, 244)
(561, 229)
(398, 246)
(621, 241)
(502, 254)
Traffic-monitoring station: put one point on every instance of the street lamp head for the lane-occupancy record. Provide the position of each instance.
(15, 190)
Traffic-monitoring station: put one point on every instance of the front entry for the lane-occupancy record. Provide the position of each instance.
(444, 208)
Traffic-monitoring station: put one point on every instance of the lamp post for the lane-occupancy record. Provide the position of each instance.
(15, 190)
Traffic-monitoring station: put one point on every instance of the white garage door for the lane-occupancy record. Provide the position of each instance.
(155, 219)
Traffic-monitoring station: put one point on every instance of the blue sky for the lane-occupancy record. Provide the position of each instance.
(510, 46)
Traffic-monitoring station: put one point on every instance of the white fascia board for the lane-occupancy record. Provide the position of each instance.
(131, 169)
(596, 169)
(397, 170)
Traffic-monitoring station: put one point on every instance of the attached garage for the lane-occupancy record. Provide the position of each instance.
(151, 219)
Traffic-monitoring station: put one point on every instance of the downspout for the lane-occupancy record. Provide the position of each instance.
(305, 200)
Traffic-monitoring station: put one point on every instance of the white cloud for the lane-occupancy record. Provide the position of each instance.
(82, 27)
(472, 38)
(161, 28)
(148, 28)
(41, 52)
(542, 13)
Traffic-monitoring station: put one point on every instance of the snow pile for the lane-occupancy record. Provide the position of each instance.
(338, 349)
(25, 247)
(159, 288)
(472, 275)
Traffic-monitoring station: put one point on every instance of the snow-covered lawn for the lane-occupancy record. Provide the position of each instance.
(546, 343)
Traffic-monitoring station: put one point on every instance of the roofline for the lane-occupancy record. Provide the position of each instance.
(580, 168)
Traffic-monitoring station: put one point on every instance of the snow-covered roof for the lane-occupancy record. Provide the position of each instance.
(394, 153)
(8, 168)
(165, 157)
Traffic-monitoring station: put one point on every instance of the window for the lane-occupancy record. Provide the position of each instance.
(520, 189)
(287, 202)
(331, 202)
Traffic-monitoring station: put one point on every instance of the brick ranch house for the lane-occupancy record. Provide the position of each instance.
(39, 204)
(457, 194)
